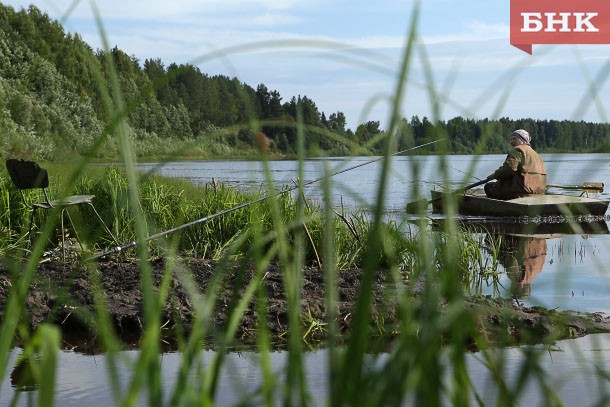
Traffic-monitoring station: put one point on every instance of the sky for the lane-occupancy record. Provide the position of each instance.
(346, 55)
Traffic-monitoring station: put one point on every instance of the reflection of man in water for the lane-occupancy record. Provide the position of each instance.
(523, 260)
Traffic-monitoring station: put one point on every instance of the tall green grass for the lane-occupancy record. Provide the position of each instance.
(167, 203)
(424, 364)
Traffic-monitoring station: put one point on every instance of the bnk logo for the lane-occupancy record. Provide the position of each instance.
(559, 22)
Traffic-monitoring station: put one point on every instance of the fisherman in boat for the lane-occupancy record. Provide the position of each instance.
(522, 173)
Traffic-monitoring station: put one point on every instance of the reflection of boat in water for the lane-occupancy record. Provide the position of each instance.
(589, 225)
(475, 203)
(547, 226)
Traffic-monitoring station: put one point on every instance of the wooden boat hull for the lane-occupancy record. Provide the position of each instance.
(475, 203)
(543, 229)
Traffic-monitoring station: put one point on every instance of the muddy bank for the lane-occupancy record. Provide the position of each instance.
(63, 294)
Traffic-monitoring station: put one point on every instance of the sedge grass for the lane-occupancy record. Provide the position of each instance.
(169, 202)
(418, 361)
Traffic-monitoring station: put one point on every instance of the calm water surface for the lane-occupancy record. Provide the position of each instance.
(572, 365)
(358, 187)
(557, 271)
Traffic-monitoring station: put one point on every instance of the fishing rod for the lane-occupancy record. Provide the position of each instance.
(585, 186)
(120, 248)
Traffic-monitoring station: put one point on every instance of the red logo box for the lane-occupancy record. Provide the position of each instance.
(559, 22)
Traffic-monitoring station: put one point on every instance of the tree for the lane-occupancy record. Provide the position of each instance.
(365, 132)
(155, 71)
(337, 123)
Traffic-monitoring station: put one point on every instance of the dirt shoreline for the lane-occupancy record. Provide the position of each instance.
(63, 294)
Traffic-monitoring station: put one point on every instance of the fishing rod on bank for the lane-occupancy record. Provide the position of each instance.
(120, 248)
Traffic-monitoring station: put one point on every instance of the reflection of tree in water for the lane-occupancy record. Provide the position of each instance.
(523, 258)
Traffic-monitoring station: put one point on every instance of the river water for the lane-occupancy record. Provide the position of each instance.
(569, 272)
(564, 271)
(358, 187)
(82, 380)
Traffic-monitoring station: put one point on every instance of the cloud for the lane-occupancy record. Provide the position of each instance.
(185, 11)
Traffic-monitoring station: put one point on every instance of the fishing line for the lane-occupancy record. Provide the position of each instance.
(464, 172)
(129, 245)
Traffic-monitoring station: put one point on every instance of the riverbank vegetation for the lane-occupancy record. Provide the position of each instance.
(53, 104)
(167, 203)
(227, 282)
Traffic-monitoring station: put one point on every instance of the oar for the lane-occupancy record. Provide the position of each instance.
(591, 186)
(414, 207)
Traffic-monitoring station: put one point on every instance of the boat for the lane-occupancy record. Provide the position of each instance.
(474, 202)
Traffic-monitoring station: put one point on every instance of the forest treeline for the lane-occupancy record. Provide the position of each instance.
(56, 101)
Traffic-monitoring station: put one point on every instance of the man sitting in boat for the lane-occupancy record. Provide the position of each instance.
(522, 173)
